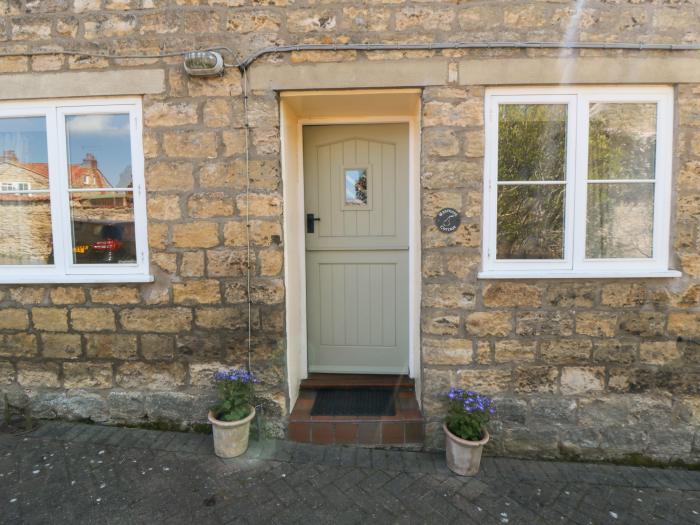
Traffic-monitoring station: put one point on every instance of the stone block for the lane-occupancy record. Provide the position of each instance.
(199, 234)
(437, 323)
(7, 373)
(482, 353)
(446, 295)
(544, 323)
(446, 351)
(18, 345)
(440, 142)
(206, 205)
(259, 205)
(645, 324)
(202, 374)
(92, 319)
(217, 113)
(621, 295)
(167, 114)
(190, 144)
(262, 233)
(658, 352)
(157, 347)
(229, 262)
(28, 294)
(596, 324)
(38, 374)
(115, 294)
(110, 346)
(553, 410)
(490, 381)
(271, 262)
(684, 324)
(227, 318)
(481, 324)
(571, 295)
(14, 319)
(163, 207)
(615, 351)
(204, 291)
(61, 346)
(581, 380)
(565, 351)
(87, 375)
(506, 294)
(147, 376)
(169, 176)
(515, 351)
(463, 113)
(630, 380)
(530, 379)
(164, 320)
(67, 295)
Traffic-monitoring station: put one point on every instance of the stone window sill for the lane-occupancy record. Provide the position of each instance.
(554, 274)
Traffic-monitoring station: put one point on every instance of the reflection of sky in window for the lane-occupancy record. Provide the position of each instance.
(26, 136)
(352, 177)
(107, 138)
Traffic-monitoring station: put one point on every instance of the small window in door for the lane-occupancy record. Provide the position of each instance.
(356, 187)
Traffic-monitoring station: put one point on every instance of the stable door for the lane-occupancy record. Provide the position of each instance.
(356, 206)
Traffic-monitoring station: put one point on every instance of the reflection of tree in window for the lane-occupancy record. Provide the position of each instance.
(621, 147)
(361, 189)
(356, 186)
(531, 148)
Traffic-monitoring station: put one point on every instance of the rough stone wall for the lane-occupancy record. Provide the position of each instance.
(579, 368)
(595, 368)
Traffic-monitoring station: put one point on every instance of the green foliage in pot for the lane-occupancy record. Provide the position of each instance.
(236, 392)
(468, 413)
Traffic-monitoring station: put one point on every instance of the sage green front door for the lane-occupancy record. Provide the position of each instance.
(356, 203)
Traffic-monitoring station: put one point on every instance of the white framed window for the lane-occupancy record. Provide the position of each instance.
(577, 182)
(72, 197)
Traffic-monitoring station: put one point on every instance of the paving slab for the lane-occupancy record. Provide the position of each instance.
(85, 474)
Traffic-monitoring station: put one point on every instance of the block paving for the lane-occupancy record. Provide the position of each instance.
(78, 473)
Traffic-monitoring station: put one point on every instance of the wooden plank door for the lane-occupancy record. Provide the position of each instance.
(356, 185)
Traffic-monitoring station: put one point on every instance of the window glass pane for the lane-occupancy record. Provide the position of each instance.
(25, 218)
(622, 141)
(25, 228)
(99, 151)
(103, 227)
(356, 186)
(532, 142)
(530, 222)
(620, 220)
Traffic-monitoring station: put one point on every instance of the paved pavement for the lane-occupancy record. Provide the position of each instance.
(75, 473)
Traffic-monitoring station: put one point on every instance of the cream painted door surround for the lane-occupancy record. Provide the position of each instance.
(356, 206)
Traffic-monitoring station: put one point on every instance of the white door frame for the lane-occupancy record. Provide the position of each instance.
(291, 130)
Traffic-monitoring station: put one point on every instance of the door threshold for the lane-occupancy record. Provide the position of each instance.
(317, 381)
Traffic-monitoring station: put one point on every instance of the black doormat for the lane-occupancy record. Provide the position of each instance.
(354, 402)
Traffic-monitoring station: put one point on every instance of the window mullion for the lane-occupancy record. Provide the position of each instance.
(580, 183)
(56, 191)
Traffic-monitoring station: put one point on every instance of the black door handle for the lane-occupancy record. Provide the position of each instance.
(310, 219)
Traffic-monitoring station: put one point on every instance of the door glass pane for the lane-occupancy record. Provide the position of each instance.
(620, 220)
(530, 222)
(103, 227)
(99, 151)
(622, 141)
(356, 186)
(25, 218)
(532, 142)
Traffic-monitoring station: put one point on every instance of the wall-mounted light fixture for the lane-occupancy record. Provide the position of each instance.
(204, 63)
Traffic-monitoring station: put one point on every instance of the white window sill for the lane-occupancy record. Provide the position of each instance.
(75, 279)
(558, 274)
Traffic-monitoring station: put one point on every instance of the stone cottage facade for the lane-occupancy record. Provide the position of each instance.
(580, 365)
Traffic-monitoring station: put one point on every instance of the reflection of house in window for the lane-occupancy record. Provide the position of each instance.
(25, 218)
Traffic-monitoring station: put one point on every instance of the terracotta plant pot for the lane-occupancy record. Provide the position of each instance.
(231, 437)
(463, 456)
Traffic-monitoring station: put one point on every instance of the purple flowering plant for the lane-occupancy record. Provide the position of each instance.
(235, 388)
(468, 413)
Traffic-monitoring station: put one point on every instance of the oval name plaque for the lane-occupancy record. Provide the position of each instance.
(447, 220)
